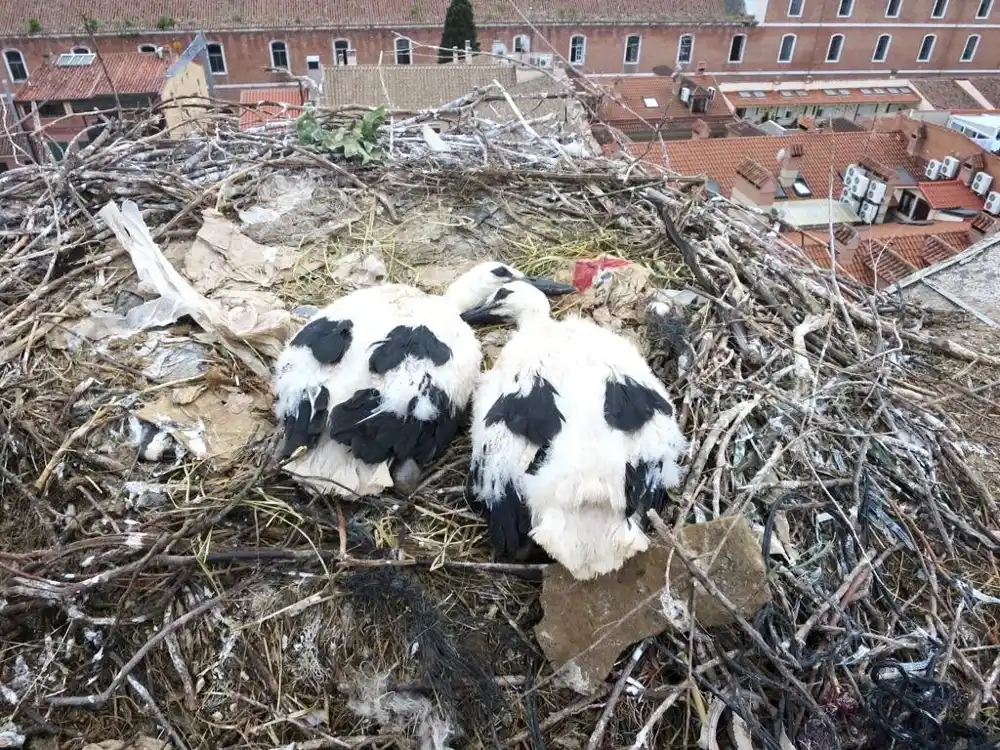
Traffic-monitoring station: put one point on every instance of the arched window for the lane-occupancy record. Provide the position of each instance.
(279, 55)
(926, 48)
(404, 51)
(969, 50)
(737, 46)
(216, 58)
(147, 49)
(685, 48)
(522, 44)
(633, 47)
(577, 49)
(340, 48)
(80, 50)
(787, 48)
(16, 67)
(834, 48)
(882, 48)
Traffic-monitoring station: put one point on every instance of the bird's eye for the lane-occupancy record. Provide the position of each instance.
(503, 272)
(502, 294)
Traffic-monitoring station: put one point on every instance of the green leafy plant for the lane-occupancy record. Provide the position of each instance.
(91, 25)
(163, 23)
(34, 25)
(357, 140)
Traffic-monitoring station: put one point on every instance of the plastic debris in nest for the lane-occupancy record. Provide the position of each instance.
(206, 422)
(221, 256)
(251, 329)
(611, 290)
(462, 681)
(357, 270)
(588, 623)
(11, 735)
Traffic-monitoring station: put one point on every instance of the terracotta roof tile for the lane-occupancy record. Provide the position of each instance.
(943, 194)
(988, 87)
(754, 173)
(936, 250)
(269, 105)
(881, 170)
(984, 222)
(976, 161)
(625, 101)
(63, 16)
(944, 93)
(130, 72)
(886, 266)
(857, 269)
(409, 87)
(719, 157)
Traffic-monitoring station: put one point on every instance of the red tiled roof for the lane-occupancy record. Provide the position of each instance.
(62, 16)
(719, 157)
(130, 72)
(889, 257)
(989, 88)
(625, 101)
(942, 194)
(269, 105)
(945, 93)
(754, 173)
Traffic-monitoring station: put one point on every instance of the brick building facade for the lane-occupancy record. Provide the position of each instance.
(728, 38)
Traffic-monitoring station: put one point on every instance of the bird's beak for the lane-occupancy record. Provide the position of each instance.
(550, 287)
(484, 314)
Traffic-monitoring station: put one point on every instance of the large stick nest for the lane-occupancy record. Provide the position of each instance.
(237, 612)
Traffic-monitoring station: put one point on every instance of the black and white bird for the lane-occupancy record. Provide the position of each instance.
(375, 386)
(573, 438)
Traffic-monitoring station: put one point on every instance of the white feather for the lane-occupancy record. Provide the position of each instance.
(577, 497)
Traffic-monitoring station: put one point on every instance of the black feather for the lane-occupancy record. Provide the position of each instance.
(328, 340)
(629, 405)
(533, 416)
(403, 341)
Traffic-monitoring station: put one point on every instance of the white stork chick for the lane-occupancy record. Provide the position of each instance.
(375, 386)
(573, 438)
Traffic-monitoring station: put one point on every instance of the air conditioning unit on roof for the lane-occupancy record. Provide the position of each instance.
(993, 203)
(876, 191)
(859, 185)
(933, 170)
(949, 167)
(868, 213)
(981, 183)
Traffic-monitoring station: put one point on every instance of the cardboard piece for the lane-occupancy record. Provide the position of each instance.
(625, 607)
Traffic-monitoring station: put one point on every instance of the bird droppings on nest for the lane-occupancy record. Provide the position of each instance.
(398, 712)
(835, 421)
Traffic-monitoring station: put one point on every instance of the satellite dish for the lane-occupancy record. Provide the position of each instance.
(780, 156)
(663, 70)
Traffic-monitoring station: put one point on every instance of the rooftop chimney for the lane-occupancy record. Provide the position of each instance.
(846, 242)
(700, 130)
(916, 140)
(754, 185)
(983, 226)
(791, 164)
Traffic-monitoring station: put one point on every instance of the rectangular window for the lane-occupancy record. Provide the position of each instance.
(892, 8)
(835, 47)
(985, 6)
(940, 9)
(845, 9)
(795, 8)
(632, 44)
(577, 49)
(312, 62)
(969, 50)
(736, 48)
(216, 58)
(51, 109)
(403, 51)
(685, 48)
(787, 48)
(279, 55)
(926, 48)
(881, 48)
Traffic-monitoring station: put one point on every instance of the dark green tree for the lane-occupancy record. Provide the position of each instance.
(459, 28)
